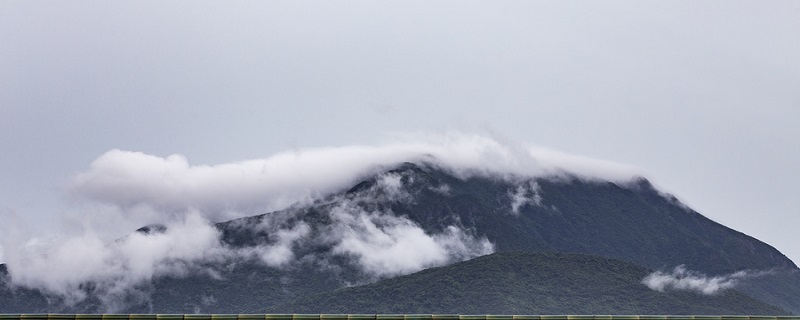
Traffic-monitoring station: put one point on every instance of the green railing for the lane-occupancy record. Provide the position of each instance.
(54, 316)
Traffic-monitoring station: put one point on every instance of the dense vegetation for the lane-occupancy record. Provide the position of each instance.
(526, 283)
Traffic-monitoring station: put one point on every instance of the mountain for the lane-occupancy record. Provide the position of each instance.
(417, 216)
(526, 283)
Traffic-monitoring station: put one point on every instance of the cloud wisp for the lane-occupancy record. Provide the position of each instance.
(525, 194)
(683, 279)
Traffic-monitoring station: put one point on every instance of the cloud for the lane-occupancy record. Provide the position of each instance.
(132, 180)
(525, 194)
(70, 269)
(552, 161)
(391, 186)
(119, 273)
(279, 252)
(683, 279)
(64, 267)
(122, 189)
(386, 245)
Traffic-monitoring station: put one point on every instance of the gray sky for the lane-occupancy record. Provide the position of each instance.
(702, 95)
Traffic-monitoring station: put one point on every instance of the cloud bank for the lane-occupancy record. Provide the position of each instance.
(683, 279)
(132, 188)
(133, 180)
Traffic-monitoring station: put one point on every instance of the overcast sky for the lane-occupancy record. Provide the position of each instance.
(702, 95)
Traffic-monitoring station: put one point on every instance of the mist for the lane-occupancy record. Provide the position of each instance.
(681, 278)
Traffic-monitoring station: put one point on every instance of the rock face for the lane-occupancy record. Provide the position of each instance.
(437, 218)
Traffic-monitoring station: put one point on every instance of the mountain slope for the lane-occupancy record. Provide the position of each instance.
(778, 288)
(526, 283)
(631, 222)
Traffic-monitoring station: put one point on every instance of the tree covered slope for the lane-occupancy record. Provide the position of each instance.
(526, 283)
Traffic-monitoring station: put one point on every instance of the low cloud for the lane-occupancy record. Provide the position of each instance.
(120, 273)
(683, 279)
(527, 193)
(132, 181)
(70, 269)
(279, 251)
(64, 268)
(386, 245)
(123, 190)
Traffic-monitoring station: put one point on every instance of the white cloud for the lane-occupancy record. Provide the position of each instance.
(280, 252)
(62, 267)
(442, 189)
(123, 190)
(380, 243)
(386, 245)
(554, 161)
(526, 194)
(682, 279)
(391, 186)
(132, 180)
